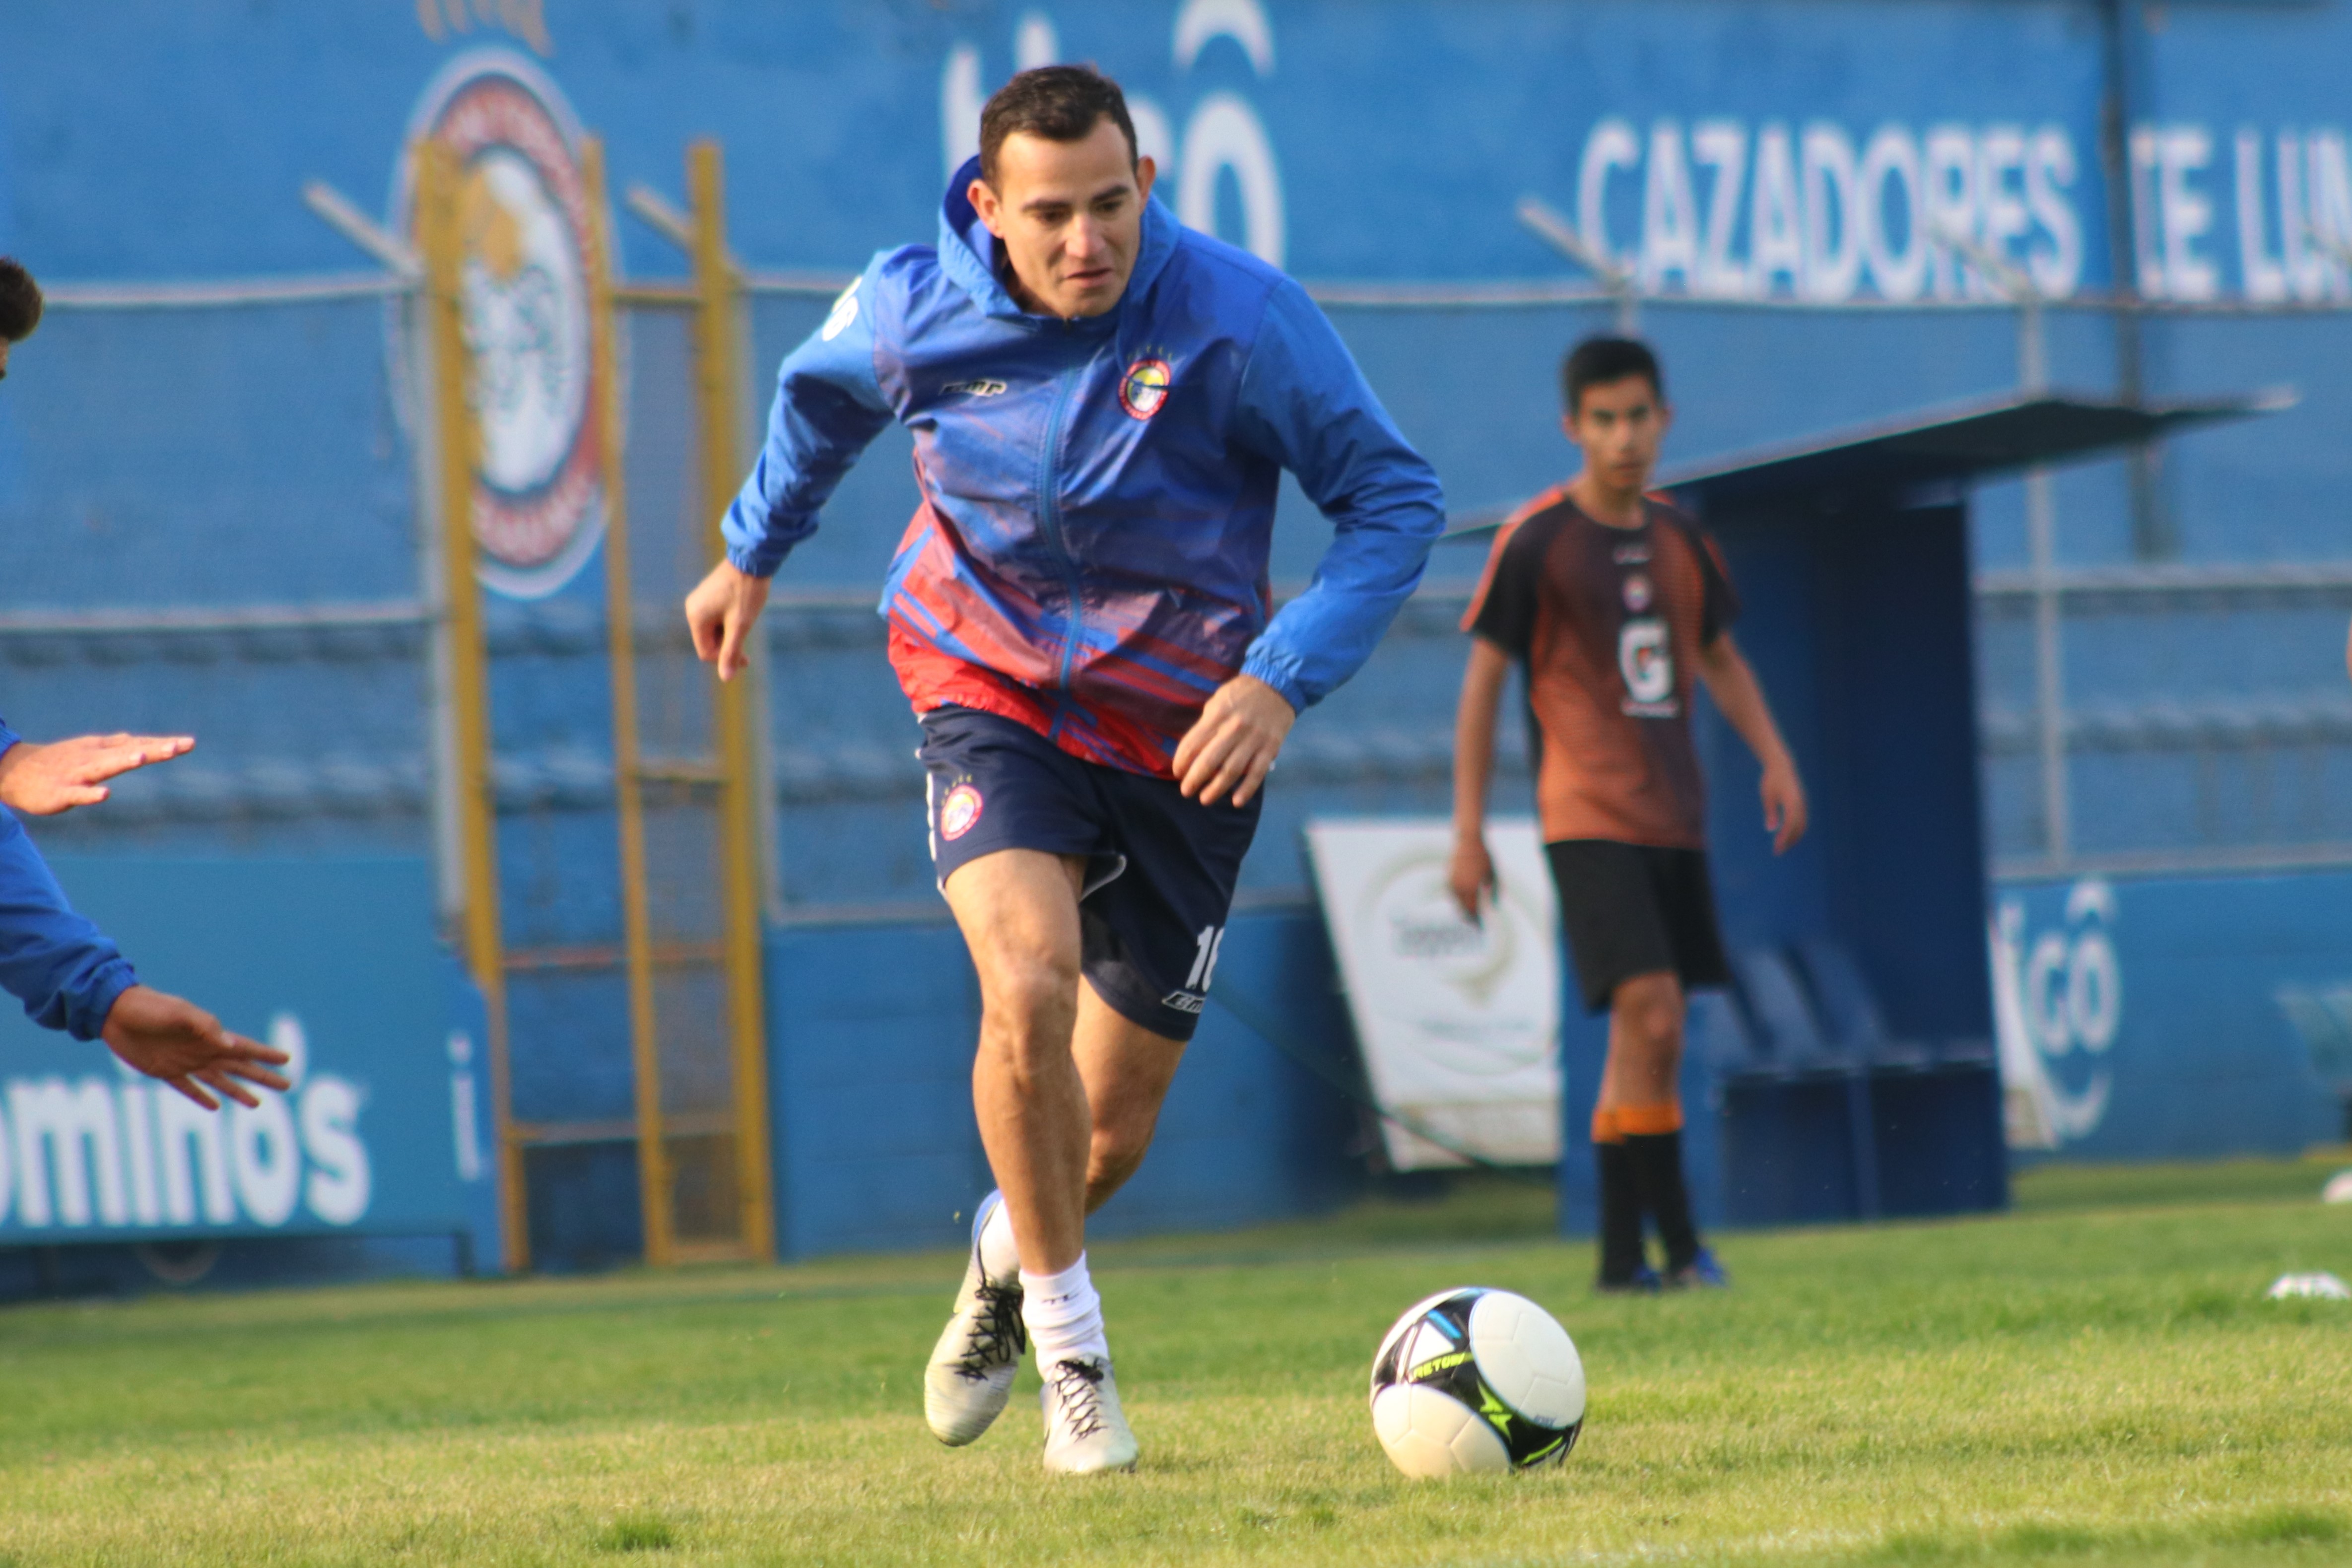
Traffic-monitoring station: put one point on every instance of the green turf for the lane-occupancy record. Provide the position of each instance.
(2093, 1380)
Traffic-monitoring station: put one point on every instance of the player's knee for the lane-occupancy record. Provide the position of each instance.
(1122, 1137)
(1023, 992)
(1650, 1011)
(1115, 1154)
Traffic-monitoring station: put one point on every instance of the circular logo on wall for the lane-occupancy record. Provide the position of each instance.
(1143, 390)
(523, 213)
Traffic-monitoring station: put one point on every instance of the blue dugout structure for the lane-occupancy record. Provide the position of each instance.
(1849, 1070)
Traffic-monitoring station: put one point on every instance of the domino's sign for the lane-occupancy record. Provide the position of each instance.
(332, 963)
(119, 1150)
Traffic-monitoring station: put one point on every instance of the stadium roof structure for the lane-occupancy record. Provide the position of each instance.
(1935, 454)
(1942, 450)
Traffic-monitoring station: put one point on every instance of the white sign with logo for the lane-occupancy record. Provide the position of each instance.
(1459, 1022)
(2057, 1007)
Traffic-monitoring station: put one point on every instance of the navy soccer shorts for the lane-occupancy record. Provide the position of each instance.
(1159, 869)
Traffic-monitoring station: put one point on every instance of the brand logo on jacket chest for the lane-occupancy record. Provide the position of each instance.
(1143, 390)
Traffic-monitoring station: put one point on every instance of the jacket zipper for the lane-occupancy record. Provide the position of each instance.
(1049, 513)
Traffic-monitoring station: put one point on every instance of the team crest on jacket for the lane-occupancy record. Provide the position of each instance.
(1143, 390)
(960, 811)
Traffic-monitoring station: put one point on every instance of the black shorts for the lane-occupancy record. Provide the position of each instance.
(1160, 869)
(1635, 909)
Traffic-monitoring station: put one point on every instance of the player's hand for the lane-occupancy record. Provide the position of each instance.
(42, 779)
(1470, 877)
(174, 1039)
(1784, 805)
(1231, 748)
(721, 613)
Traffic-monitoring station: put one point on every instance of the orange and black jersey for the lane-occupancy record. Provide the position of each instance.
(1607, 623)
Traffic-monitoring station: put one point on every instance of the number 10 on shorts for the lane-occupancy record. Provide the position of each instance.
(1211, 941)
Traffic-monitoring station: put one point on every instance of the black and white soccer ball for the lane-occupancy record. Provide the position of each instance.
(1476, 1381)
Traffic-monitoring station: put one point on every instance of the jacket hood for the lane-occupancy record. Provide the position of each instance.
(968, 252)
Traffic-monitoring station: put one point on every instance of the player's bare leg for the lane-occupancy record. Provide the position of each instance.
(1018, 910)
(1019, 913)
(1127, 1069)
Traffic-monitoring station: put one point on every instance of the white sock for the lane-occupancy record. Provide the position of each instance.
(1064, 1315)
(1000, 1259)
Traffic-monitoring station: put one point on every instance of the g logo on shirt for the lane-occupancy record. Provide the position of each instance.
(1646, 660)
(1143, 390)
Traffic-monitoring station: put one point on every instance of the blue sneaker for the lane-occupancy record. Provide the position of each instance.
(1643, 1281)
(1701, 1273)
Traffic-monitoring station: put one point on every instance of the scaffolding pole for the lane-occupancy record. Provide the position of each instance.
(457, 441)
(718, 388)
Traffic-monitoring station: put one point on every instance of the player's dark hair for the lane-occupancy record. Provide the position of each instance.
(1060, 103)
(1603, 358)
(20, 301)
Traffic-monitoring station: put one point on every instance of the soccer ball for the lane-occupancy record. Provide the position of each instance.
(1474, 1382)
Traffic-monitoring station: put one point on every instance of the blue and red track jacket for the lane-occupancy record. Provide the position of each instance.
(61, 967)
(1090, 555)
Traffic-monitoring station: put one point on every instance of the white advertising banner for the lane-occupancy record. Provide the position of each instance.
(1459, 1022)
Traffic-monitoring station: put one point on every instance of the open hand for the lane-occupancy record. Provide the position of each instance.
(168, 1037)
(1231, 748)
(721, 613)
(1470, 875)
(1784, 806)
(42, 779)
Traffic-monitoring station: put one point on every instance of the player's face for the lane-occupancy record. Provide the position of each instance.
(1069, 216)
(4, 359)
(1619, 424)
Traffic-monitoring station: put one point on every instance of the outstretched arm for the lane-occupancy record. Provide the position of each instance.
(1738, 694)
(1305, 405)
(829, 406)
(42, 779)
(1471, 876)
(71, 977)
(168, 1037)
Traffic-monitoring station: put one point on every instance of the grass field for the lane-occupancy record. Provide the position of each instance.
(2095, 1378)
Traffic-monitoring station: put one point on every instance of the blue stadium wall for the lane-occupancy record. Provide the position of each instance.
(1763, 167)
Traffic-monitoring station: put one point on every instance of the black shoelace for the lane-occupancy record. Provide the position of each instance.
(998, 1320)
(1077, 1391)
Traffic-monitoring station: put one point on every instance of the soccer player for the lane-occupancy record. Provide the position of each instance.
(1102, 403)
(63, 968)
(1611, 602)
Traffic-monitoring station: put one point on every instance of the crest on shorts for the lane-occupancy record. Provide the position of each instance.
(960, 811)
(1143, 390)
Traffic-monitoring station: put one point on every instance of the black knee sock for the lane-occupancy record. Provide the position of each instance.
(1655, 1160)
(1621, 1215)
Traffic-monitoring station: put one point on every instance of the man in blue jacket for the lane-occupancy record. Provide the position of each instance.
(59, 965)
(1102, 404)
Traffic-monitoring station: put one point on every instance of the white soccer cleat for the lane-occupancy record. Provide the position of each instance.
(1085, 1431)
(970, 1376)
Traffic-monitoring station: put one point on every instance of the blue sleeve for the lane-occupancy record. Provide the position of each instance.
(829, 406)
(1305, 403)
(61, 967)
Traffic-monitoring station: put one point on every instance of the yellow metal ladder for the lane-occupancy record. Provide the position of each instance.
(700, 1073)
